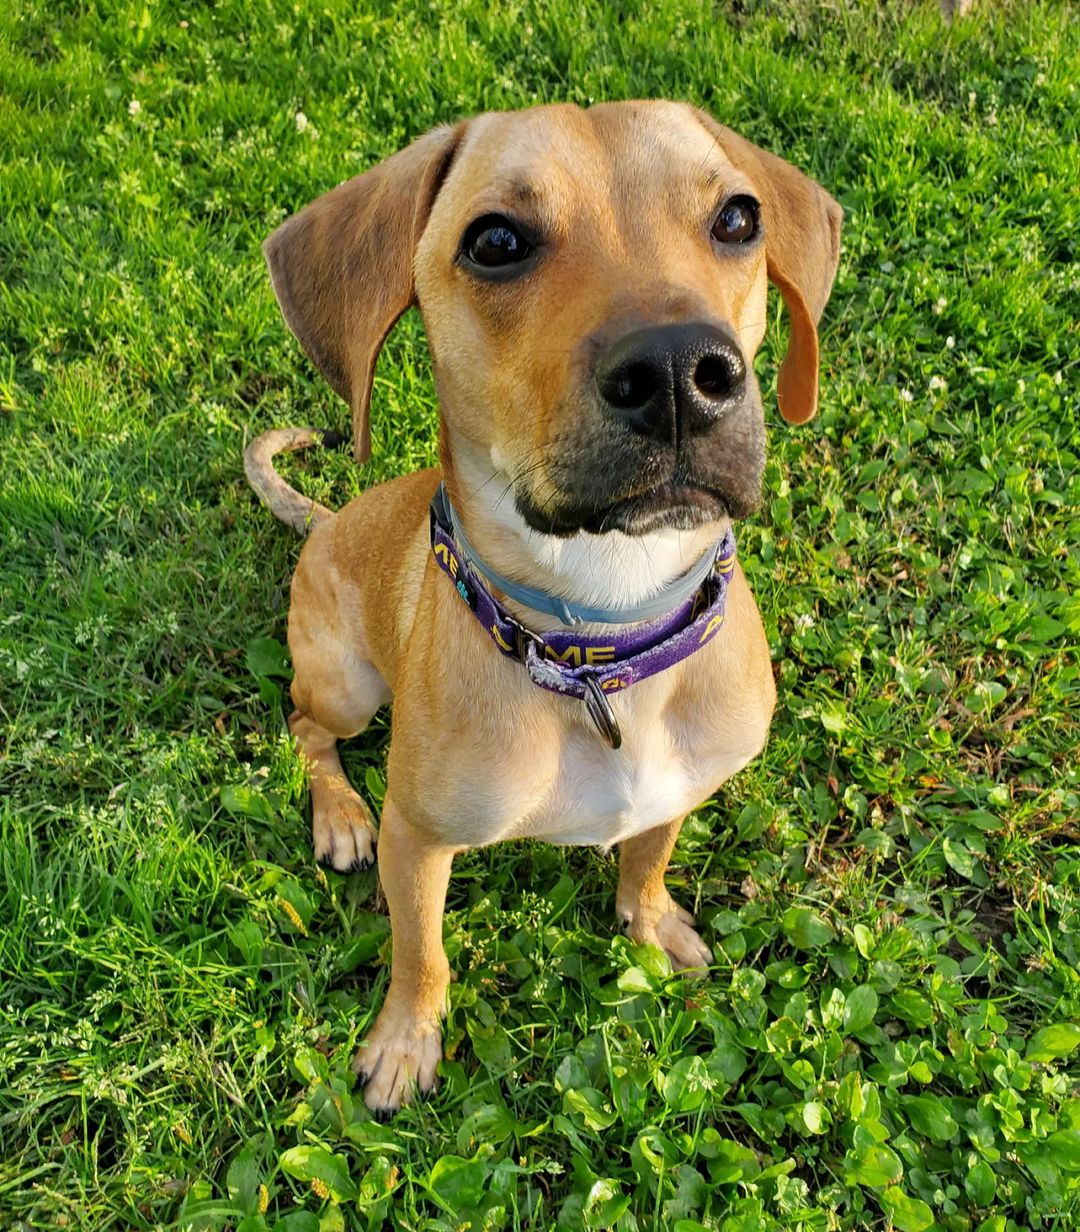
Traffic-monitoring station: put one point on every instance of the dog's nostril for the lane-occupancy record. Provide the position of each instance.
(630, 385)
(719, 375)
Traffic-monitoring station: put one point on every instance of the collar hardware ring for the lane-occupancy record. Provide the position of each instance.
(599, 708)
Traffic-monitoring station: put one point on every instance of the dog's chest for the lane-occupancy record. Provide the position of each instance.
(600, 796)
(604, 796)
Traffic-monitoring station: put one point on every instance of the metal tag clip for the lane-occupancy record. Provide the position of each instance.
(599, 708)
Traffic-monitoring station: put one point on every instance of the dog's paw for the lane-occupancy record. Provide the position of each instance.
(398, 1060)
(344, 834)
(677, 935)
(671, 927)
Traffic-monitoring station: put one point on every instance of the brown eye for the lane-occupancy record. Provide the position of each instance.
(737, 222)
(493, 242)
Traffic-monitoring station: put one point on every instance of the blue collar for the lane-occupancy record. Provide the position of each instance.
(671, 597)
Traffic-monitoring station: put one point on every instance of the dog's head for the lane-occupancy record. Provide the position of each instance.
(593, 284)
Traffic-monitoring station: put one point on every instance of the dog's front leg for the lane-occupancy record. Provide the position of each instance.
(647, 911)
(403, 1048)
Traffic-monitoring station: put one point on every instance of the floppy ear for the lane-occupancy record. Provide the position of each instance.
(802, 249)
(342, 268)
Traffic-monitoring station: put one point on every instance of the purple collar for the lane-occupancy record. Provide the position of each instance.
(581, 666)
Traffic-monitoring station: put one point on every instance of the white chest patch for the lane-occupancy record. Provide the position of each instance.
(602, 796)
(606, 805)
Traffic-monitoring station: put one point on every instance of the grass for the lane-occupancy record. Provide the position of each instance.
(889, 1037)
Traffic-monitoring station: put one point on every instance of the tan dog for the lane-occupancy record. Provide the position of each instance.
(593, 283)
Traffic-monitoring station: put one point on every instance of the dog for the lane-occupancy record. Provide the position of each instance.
(571, 647)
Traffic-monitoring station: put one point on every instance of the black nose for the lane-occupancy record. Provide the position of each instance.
(670, 381)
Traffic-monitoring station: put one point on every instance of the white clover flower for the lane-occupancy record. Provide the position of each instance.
(804, 621)
(304, 125)
(134, 107)
(1040, 80)
(906, 395)
(938, 382)
(939, 307)
(950, 342)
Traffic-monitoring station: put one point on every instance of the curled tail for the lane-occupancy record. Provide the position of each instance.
(286, 503)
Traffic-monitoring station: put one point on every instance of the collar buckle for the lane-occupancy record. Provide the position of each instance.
(524, 637)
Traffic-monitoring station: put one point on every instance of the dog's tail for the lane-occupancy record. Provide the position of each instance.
(286, 503)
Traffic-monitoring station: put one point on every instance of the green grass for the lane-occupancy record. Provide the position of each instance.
(889, 1037)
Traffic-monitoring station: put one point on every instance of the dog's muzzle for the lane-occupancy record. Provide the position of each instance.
(666, 431)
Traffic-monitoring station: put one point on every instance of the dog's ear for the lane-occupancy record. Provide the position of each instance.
(342, 268)
(802, 249)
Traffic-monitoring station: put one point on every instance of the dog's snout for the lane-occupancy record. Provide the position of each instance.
(670, 381)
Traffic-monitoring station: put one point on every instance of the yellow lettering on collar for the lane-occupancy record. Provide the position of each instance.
(711, 627)
(451, 560)
(500, 641)
(572, 654)
(599, 654)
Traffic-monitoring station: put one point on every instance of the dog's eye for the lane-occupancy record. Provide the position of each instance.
(493, 242)
(738, 221)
